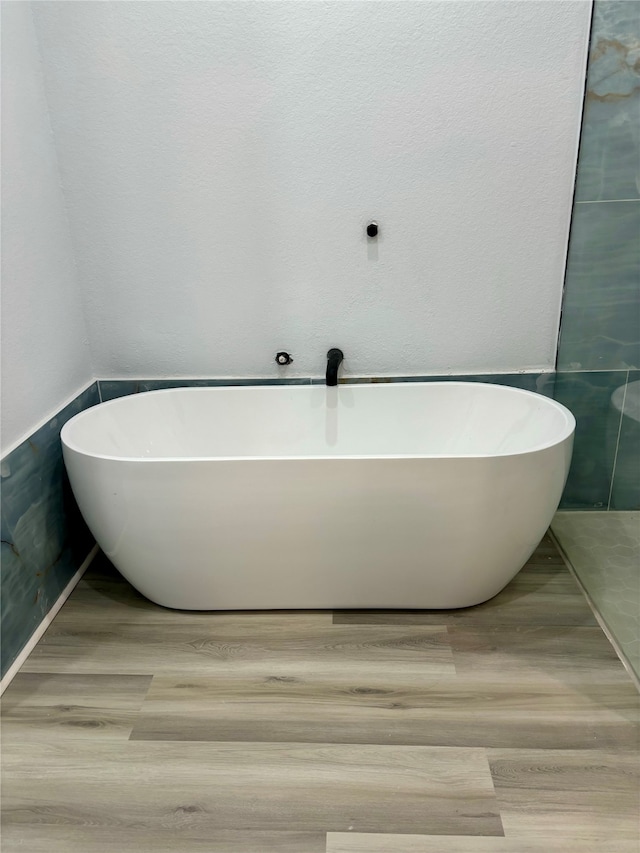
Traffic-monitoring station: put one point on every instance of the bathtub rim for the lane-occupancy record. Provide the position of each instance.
(567, 432)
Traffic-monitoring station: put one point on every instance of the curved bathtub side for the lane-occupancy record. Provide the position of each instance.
(99, 487)
(320, 533)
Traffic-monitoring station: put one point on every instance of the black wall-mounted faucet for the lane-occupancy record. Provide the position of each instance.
(334, 360)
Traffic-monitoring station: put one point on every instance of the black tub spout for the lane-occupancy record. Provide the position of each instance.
(334, 360)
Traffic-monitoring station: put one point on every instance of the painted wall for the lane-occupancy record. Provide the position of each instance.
(599, 355)
(45, 349)
(220, 162)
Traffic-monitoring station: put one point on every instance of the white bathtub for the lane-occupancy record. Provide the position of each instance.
(407, 495)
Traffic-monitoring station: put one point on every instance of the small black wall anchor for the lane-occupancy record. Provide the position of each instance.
(372, 229)
(283, 358)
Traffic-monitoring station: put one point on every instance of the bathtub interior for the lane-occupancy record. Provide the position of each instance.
(395, 420)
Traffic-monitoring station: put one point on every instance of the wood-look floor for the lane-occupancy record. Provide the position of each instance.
(510, 727)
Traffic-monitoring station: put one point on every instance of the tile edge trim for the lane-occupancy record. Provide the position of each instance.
(34, 639)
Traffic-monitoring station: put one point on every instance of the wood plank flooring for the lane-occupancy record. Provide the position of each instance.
(511, 726)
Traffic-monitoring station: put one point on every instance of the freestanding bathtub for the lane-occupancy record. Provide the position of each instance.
(399, 495)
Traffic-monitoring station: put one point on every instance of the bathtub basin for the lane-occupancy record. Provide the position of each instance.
(399, 495)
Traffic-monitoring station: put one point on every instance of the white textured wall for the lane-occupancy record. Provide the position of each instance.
(45, 352)
(221, 159)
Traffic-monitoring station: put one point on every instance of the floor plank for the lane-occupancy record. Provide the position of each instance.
(259, 787)
(250, 644)
(536, 653)
(445, 711)
(343, 842)
(568, 793)
(77, 838)
(50, 705)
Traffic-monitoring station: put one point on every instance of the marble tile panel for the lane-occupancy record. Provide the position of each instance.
(609, 165)
(588, 396)
(625, 490)
(601, 310)
(44, 539)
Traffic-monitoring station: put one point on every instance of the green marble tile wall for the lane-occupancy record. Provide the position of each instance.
(44, 539)
(599, 350)
(605, 469)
